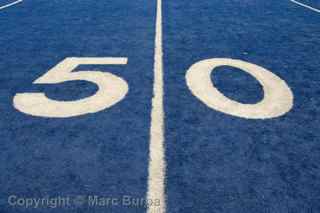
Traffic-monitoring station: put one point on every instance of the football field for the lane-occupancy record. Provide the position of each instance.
(159, 106)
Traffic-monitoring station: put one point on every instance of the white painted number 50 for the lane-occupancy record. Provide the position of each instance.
(111, 90)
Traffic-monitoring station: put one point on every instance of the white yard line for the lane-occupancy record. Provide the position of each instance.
(306, 6)
(157, 164)
(11, 4)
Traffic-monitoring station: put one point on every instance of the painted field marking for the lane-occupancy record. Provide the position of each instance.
(306, 6)
(157, 164)
(277, 98)
(11, 4)
(38, 104)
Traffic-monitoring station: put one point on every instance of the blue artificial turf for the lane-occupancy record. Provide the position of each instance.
(103, 154)
(312, 3)
(216, 163)
(5, 2)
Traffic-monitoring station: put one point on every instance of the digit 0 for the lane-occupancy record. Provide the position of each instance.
(277, 101)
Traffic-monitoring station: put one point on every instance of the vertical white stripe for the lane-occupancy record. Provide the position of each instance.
(157, 164)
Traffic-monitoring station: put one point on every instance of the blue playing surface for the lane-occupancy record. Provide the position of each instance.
(216, 163)
(312, 3)
(220, 163)
(102, 154)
